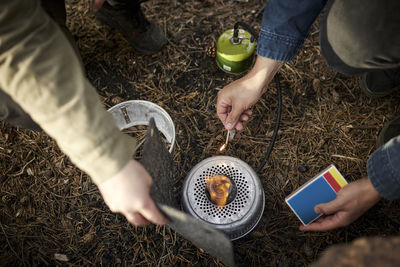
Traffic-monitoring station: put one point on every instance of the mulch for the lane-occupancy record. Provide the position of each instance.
(52, 214)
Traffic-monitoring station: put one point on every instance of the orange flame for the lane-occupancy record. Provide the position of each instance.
(219, 187)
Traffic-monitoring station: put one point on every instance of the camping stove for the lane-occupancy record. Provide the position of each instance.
(245, 203)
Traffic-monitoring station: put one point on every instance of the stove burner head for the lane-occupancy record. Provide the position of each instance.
(245, 203)
(220, 190)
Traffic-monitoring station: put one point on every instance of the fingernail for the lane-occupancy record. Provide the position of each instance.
(229, 125)
(317, 210)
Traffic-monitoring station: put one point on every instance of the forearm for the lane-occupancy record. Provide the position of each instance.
(42, 73)
(285, 25)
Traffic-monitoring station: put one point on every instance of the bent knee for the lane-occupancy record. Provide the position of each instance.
(361, 33)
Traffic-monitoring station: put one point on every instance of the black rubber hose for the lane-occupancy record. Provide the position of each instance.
(277, 123)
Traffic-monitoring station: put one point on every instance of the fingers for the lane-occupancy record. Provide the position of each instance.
(136, 219)
(329, 208)
(222, 117)
(223, 108)
(244, 117)
(248, 112)
(127, 192)
(328, 222)
(323, 224)
(233, 118)
(239, 126)
(231, 115)
(228, 113)
(336, 216)
(146, 214)
(152, 213)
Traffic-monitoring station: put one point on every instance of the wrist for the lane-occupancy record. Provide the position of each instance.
(370, 190)
(263, 72)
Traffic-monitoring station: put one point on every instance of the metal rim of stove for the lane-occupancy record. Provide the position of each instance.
(240, 216)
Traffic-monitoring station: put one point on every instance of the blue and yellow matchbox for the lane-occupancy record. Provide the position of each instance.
(322, 188)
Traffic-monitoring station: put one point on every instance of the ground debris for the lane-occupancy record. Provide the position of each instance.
(63, 212)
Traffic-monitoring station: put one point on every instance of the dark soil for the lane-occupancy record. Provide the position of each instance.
(51, 212)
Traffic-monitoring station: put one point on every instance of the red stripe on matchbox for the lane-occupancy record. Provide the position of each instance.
(329, 178)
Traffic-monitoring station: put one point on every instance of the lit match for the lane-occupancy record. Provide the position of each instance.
(226, 142)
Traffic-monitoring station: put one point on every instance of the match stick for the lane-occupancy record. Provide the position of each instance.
(226, 142)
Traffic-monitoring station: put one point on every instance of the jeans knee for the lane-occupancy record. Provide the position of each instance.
(361, 38)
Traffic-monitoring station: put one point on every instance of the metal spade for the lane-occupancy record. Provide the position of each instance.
(158, 162)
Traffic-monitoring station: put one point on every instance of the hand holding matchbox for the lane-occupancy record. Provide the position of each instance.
(322, 188)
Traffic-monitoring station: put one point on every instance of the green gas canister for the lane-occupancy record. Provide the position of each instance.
(235, 49)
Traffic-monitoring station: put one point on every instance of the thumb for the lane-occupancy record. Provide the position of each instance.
(328, 208)
(233, 118)
(152, 213)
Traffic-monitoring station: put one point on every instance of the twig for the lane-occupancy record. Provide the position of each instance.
(141, 143)
(8, 242)
(346, 157)
(163, 250)
(348, 89)
(23, 169)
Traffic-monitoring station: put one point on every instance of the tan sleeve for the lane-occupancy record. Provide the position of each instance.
(41, 72)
